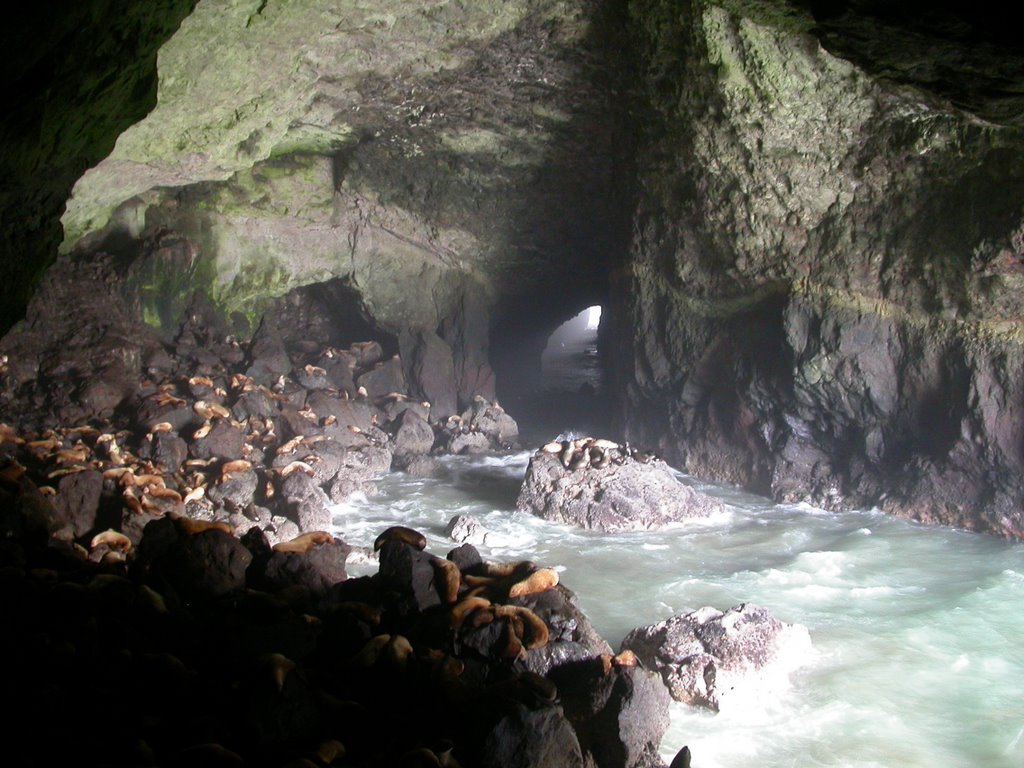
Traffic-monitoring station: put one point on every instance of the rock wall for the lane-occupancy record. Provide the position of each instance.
(822, 298)
(73, 76)
(449, 162)
(816, 254)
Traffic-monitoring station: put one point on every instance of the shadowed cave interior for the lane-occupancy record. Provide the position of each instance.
(275, 272)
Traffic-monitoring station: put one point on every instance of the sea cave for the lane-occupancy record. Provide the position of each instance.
(513, 383)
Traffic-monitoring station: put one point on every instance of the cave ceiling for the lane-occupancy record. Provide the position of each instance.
(493, 139)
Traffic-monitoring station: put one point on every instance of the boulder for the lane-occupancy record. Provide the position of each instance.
(317, 568)
(234, 491)
(383, 379)
(409, 571)
(308, 504)
(482, 427)
(430, 371)
(533, 738)
(413, 435)
(466, 529)
(346, 413)
(223, 441)
(571, 635)
(169, 451)
(359, 468)
(420, 466)
(706, 657)
(77, 501)
(468, 442)
(490, 419)
(269, 359)
(208, 564)
(627, 494)
(620, 712)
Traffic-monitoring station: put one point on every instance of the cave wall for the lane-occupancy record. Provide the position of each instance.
(823, 296)
(804, 220)
(74, 75)
(452, 163)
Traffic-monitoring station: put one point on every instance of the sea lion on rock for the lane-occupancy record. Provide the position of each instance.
(567, 453)
(191, 527)
(409, 536)
(580, 460)
(451, 579)
(540, 580)
(305, 542)
(112, 539)
(458, 613)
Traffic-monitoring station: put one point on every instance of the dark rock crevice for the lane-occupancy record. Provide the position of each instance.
(74, 77)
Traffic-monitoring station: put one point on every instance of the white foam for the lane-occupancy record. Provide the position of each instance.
(915, 629)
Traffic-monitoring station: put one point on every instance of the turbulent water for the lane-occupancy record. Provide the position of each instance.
(917, 631)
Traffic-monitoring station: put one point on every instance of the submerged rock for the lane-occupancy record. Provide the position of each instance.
(708, 657)
(624, 494)
(466, 529)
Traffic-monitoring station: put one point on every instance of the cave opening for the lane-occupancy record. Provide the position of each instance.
(552, 373)
(570, 360)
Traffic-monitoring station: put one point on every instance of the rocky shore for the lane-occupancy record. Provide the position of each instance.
(178, 598)
(195, 647)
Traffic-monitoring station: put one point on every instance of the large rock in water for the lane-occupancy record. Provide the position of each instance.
(623, 496)
(707, 657)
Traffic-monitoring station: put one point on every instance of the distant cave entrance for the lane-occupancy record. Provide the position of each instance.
(570, 362)
(566, 391)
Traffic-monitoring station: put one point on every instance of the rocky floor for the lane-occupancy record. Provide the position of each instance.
(175, 598)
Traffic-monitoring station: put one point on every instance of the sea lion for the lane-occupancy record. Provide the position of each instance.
(291, 445)
(450, 581)
(567, 453)
(210, 410)
(520, 568)
(363, 611)
(191, 527)
(370, 652)
(458, 613)
(195, 494)
(277, 666)
(238, 465)
(531, 628)
(540, 580)
(421, 757)
(111, 538)
(400, 533)
(626, 658)
(305, 542)
(330, 751)
(297, 466)
(579, 460)
(682, 758)
(397, 651)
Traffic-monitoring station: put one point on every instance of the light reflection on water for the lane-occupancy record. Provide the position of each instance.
(918, 658)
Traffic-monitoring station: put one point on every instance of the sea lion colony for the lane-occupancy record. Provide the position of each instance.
(146, 632)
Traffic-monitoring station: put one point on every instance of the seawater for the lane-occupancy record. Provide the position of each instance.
(917, 631)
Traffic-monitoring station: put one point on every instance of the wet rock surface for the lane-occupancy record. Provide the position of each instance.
(249, 432)
(708, 656)
(606, 487)
(831, 326)
(231, 651)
